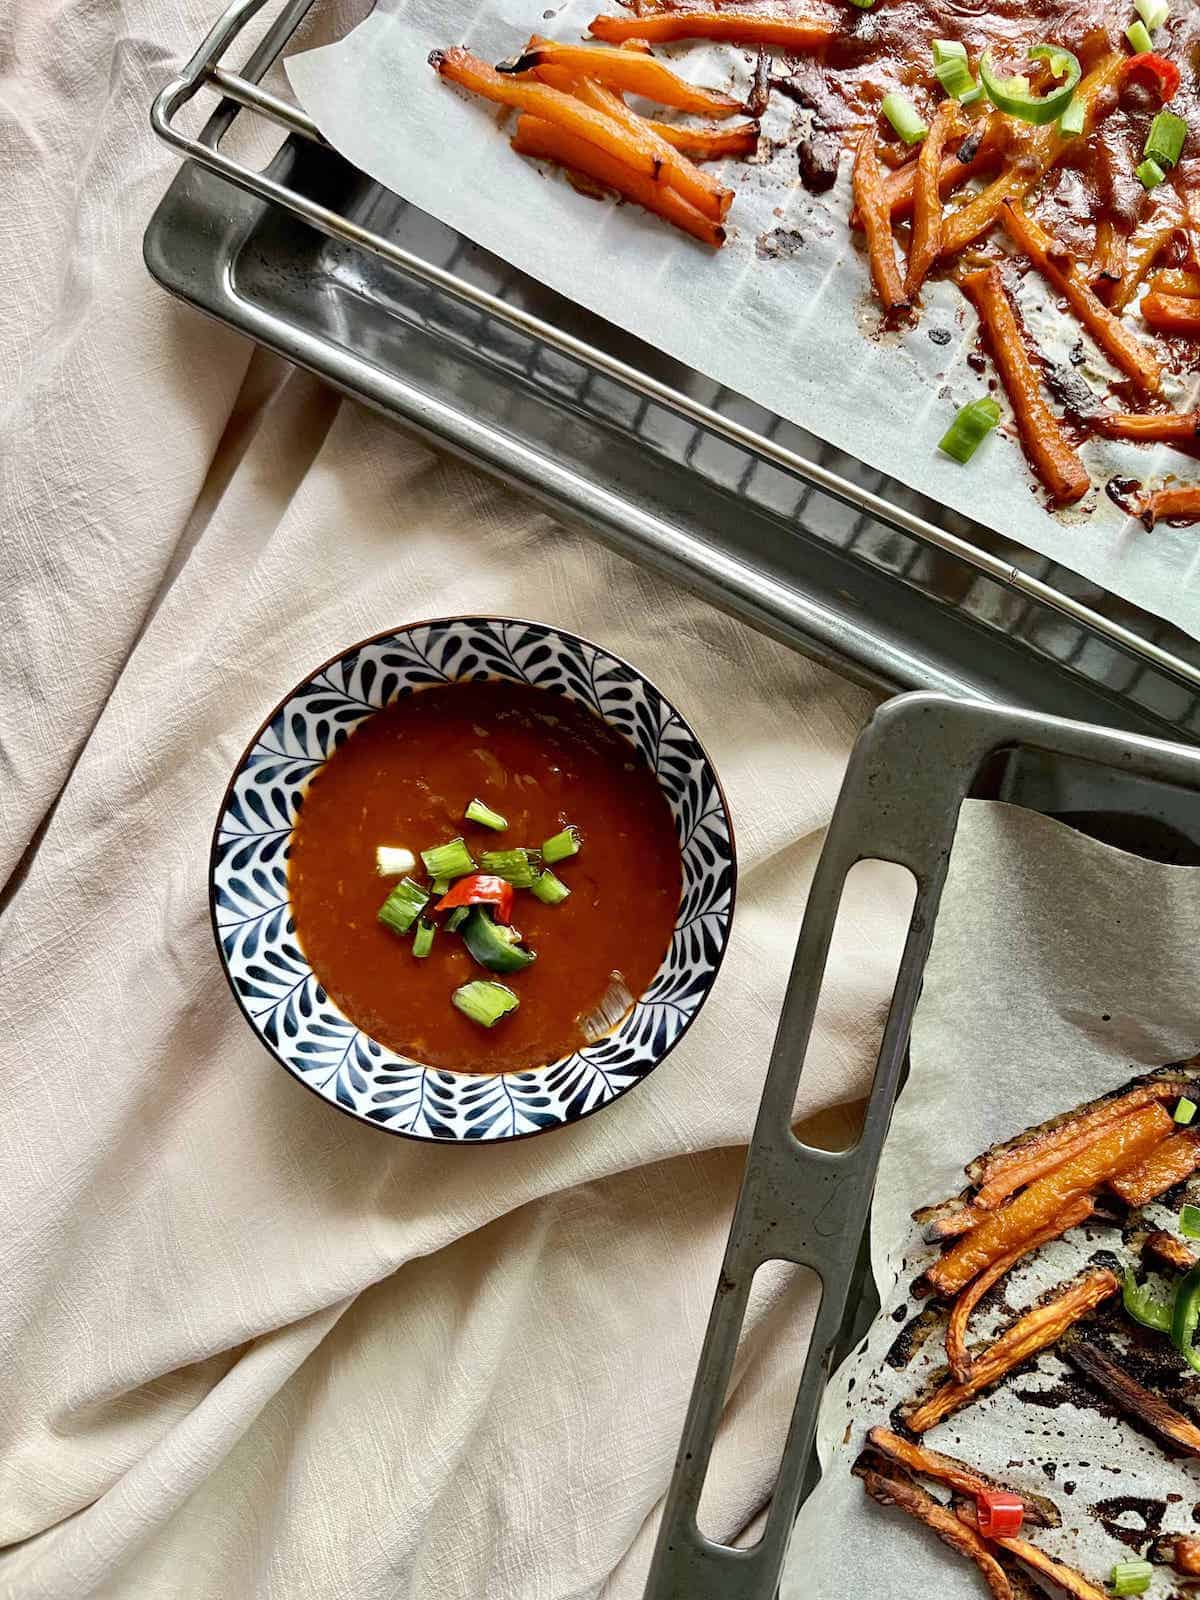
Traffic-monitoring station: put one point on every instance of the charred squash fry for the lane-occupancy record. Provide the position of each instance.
(1029, 165)
(948, 1219)
(1108, 258)
(638, 153)
(1056, 265)
(1067, 1579)
(916, 1502)
(957, 1354)
(927, 196)
(1151, 1410)
(787, 35)
(926, 1463)
(627, 71)
(1143, 251)
(877, 224)
(1185, 1555)
(547, 141)
(1175, 1159)
(1038, 1328)
(1170, 1251)
(710, 144)
(1151, 427)
(1046, 445)
(1172, 313)
(1182, 504)
(1177, 280)
(697, 188)
(989, 139)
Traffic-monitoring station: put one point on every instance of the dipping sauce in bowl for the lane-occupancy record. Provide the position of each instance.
(403, 779)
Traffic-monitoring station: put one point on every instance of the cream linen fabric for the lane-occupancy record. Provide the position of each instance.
(249, 1347)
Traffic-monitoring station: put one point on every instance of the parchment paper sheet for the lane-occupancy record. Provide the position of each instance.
(1060, 968)
(785, 328)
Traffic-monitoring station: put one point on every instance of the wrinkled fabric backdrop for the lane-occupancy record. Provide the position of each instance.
(250, 1348)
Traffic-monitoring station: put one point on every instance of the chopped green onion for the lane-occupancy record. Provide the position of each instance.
(439, 886)
(404, 905)
(1153, 12)
(1149, 174)
(1072, 120)
(551, 891)
(485, 816)
(423, 938)
(904, 117)
(1015, 97)
(562, 845)
(518, 867)
(391, 862)
(484, 1002)
(451, 860)
(948, 50)
(863, 5)
(969, 429)
(1189, 1222)
(1185, 1111)
(1164, 143)
(456, 918)
(1144, 1306)
(1131, 1577)
(1139, 37)
(955, 78)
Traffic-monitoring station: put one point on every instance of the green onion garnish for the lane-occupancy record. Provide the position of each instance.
(1153, 12)
(485, 816)
(955, 78)
(1189, 1222)
(1072, 120)
(423, 938)
(391, 862)
(1149, 174)
(485, 1002)
(863, 5)
(1139, 37)
(562, 845)
(404, 905)
(1185, 1111)
(456, 918)
(904, 117)
(451, 860)
(439, 886)
(518, 867)
(948, 50)
(1164, 143)
(551, 891)
(1131, 1577)
(1144, 1306)
(969, 429)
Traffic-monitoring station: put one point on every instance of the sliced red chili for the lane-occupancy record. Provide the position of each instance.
(1161, 74)
(1000, 1513)
(480, 889)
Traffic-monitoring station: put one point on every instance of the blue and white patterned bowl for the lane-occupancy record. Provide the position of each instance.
(278, 991)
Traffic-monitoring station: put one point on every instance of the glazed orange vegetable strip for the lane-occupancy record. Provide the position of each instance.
(1176, 280)
(698, 188)
(710, 144)
(1171, 313)
(1034, 1153)
(1182, 504)
(1030, 163)
(551, 105)
(547, 141)
(926, 1463)
(956, 1331)
(926, 243)
(1144, 250)
(1173, 1161)
(1108, 257)
(1036, 1330)
(1170, 1251)
(899, 186)
(877, 223)
(1145, 1405)
(916, 1502)
(1066, 1578)
(1056, 265)
(790, 36)
(627, 71)
(1185, 1556)
(1173, 428)
(1046, 445)
(1123, 1144)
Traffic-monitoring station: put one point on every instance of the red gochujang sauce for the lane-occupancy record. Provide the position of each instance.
(404, 777)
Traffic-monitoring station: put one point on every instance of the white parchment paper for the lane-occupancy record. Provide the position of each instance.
(1060, 968)
(781, 314)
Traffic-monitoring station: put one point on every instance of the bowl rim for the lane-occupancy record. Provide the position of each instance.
(223, 806)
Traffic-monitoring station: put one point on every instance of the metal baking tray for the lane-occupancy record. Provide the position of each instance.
(315, 261)
(913, 765)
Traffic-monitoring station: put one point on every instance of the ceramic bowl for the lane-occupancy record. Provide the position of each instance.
(279, 994)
